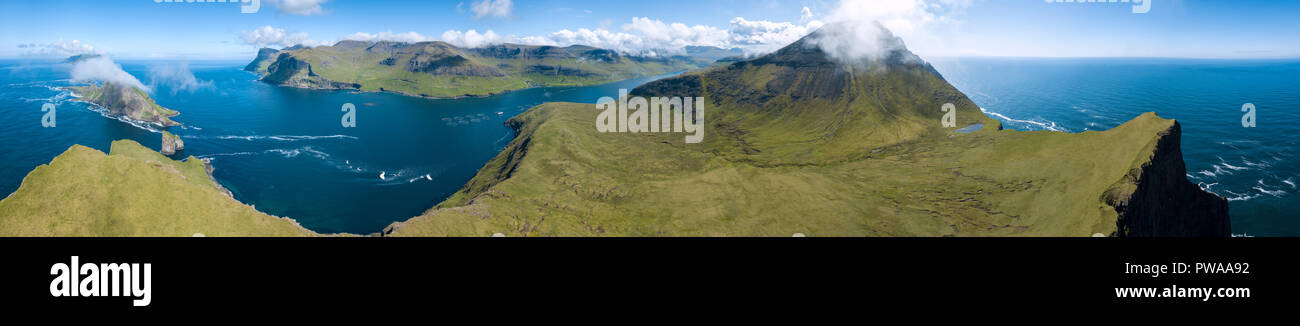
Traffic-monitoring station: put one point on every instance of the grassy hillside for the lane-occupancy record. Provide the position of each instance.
(132, 191)
(561, 178)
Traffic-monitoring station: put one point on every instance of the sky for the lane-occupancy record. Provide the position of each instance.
(143, 29)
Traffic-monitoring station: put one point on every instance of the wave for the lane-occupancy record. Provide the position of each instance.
(1240, 197)
(148, 126)
(1049, 125)
(273, 137)
(1275, 193)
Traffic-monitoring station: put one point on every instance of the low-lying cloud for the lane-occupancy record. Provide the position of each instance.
(176, 77)
(103, 69)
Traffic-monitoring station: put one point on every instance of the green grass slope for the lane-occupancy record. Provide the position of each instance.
(562, 178)
(132, 191)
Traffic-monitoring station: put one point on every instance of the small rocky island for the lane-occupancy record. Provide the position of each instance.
(171, 143)
(126, 101)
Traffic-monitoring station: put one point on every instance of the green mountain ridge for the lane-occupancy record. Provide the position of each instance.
(441, 70)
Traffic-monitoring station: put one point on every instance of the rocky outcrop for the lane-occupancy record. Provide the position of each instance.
(1155, 199)
(126, 101)
(171, 144)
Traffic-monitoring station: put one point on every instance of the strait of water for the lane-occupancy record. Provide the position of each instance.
(283, 150)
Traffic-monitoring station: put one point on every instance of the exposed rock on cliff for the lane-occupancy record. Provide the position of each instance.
(265, 57)
(1156, 199)
(290, 71)
(171, 143)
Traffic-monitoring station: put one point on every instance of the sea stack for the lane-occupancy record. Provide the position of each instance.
(171, 143)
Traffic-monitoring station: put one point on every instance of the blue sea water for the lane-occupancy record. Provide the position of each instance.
(1256, 169)
(283, 150)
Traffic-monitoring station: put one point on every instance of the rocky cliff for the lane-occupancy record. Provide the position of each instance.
(171, 143)
(1155, 198)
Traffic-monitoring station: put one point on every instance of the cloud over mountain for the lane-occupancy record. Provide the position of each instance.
(103, 69)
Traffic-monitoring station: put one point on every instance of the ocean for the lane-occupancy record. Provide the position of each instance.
(1256, 169)
(284, 150)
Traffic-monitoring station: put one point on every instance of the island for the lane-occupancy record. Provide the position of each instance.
(441, 70)
(122, 100)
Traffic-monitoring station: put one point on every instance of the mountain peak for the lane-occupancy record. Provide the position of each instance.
(859, 44)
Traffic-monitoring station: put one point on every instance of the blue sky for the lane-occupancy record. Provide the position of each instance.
(932, 28)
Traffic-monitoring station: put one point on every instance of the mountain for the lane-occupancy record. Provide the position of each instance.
(439, 69)
(711, 54)
(807, 141)
(126, 101)
(131, 191)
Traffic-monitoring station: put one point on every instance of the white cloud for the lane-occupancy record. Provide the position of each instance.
(473, 39)
(912, 20)
(300, 7)
(177, 77)
(647, 36)
(491, 8)
(409, 37)
(59, 48)
(103, 69)
(270, 36)
(656, 34)
(761, 36)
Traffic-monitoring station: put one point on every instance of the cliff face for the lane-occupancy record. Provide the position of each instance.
(1162, 202)
(171, 143)
(288, 70)
(127, 101)
(265, 57)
